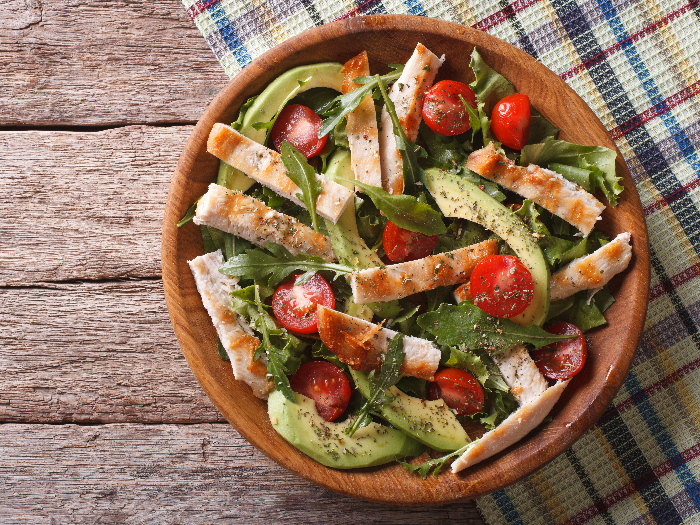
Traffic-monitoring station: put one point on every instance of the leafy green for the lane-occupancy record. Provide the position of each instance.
(277, 265)
(317, 99)
(413, 386)
(460, 234)
(282, 349)
(584, 313)
(468, 325)
(412, 172)
(344, 104)
(599, 161)
(189, 214)
(389, 375)
(405, 211)
(490, 87)
(468, 361)
(304, 176)
(221, 350)
(435, 464)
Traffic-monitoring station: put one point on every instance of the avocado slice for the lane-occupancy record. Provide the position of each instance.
(458, 197)
(430, 422)
(327, 443)
(270, 101)
(347, 244)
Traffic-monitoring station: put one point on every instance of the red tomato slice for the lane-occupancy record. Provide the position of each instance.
(443, 111)
(295, 306)
(326, 384)
(565, 359)
(510, 121)
(299, 126)
(501, 285)
(459, 389)
(404, 245)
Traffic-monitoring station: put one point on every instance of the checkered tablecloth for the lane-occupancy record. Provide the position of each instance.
(637, 65)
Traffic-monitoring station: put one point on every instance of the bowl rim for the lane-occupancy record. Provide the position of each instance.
(552, 439)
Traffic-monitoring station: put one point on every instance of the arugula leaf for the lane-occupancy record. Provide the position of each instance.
(468, 325)
(304, 176)
(221, 350)
(257, 264)
(280, 361)
(344, 104)
(412, 172)
(584, 313)
(460, 234)
(189, 214)
(389, 375)
(405, 211)
(598, 160)
(435, 464)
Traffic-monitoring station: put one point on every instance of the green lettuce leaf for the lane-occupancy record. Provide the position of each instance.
(405, 211)
(599, 161)
(468, 325)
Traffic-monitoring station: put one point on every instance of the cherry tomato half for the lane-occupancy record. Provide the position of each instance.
(565, 359)
(326, 384)
(459, 389)
(295, 305)
(501, 285)
(404, 245)
(443, 111)
(299, 126)
(510, 121)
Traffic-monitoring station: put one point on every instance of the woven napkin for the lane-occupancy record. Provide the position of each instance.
(636, 64)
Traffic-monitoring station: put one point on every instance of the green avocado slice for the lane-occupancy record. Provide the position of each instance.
(270, 101)
(327, 443)
(458, 197)
(430, 422)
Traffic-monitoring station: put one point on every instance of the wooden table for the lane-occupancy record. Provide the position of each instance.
(102, 420)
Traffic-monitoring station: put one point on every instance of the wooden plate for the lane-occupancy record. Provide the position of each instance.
(391, 39)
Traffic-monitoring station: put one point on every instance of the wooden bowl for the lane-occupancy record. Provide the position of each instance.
(391, 39)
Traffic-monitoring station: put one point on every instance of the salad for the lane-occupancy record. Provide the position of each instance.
(401, 263)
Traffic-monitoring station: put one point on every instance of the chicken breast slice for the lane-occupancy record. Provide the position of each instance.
(520, 373)
(360, 344)
(248, 218)
(547, 188)
(407, 95)
(363, 135)
(266, 166)
(512, 429)
(592, 271)
(214, 288)
(400, 280)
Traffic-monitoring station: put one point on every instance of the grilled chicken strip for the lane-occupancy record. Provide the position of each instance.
(520, 373)
(243, 216)
(544, 187)
(360, 344)
(361, 128)
(214, 288)
(399, 280)
(592, 271)
(512, 429)
(407, 95)
(266, 166)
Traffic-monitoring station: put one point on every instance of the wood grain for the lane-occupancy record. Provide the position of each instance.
(392, 39)
(94, 353)
(138, 474)
(85, 205)
(98, 63)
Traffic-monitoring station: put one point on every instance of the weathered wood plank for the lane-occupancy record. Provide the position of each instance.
(82, 62)
(137, 474)
(94, 352)
(85, 205)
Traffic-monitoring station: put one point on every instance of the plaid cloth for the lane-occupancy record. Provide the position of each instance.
(637, 65)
